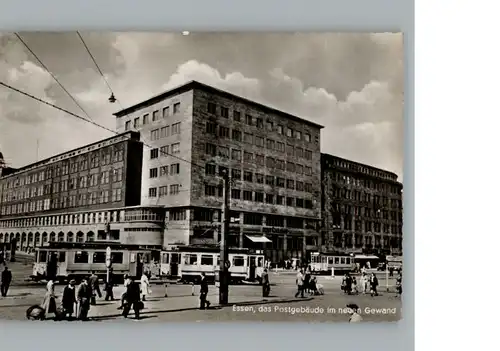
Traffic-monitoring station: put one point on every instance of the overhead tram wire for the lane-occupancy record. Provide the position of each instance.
(98, 68)
(90, 121)
(53, 76)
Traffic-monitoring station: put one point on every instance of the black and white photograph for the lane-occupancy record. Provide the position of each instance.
(201, 177)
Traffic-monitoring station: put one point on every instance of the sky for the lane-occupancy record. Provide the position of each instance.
(353, 84)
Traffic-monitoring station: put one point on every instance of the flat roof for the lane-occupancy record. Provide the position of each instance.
(323, 155)
(197, 85)
(48, 159)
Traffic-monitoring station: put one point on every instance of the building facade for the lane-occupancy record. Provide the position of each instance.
(362, 208)
(195, 132)
(105, 174)
(132, 225)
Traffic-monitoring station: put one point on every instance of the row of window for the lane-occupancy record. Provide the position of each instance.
(164, 171)
(347, 241)
(67, 167)
(367, 226)
(166, 131)
(212, 108)
(260, 160)
(256, 196)
(331, 163)
(366, 183)
(249, 138)
(259, 178)
(155, 116)
(377, 200)
(81, 182)
(164, 190)
(147, 229)
(166, 150)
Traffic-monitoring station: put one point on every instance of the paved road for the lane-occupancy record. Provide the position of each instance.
(180, 305)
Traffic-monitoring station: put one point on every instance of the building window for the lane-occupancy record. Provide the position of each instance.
(280, 200)
(177, 215)
(280, 182)
(236, 174)
(174, 189)
(153, 173)
(116, 195)
(280, 164)
(152, 192)
(145, 119)
(235, 194)
(177, 107)
(236, 135)
(127, 125)
(252, 219)
(270, 126)
(247, 157)
(259, 178)
(174, 169)
(270, 180)
(153, 153)
(307, 137)
(289, 132)
(211, 128)
(308, 187)
(259, 197)
(299, 152)
(290, 184)
(210, 169)
(176, 127)
(269, 162)
(210, 149)
(298, 135)
(279, 129)
(299, 169)
(247, 176)
(269, 199)
(289, 201)
(210, 190)
(155, 134)
(299, 203)
(176, 148)
(259, 159)
(248, 138)
(248, 120)
(223, 152)
(308, 154)
(166, 112)
(247, 195)
(223, 132)
(223, 171)
(299, 186)
(290, 167)
(270, 144)
(156, 115)
(259, 123)
(163, 171)
(163, 191)
(308, 171)
(237, 116)
(308, 204)
(136, 122)
(211, 108)
(164, 131)
(224, 112)
(165, 150)
(236, 155)
(259, 141)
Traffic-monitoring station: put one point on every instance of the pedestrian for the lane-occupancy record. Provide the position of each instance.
(69, 299)
(399, 284)
(126, 283)
(347, 283)
(300, 284)
(266, 286)
(354, 312)
(94, 286)
(354, 286)
(133, 300)
(391, 271)
(307, 279)
(364, 282)
(6, 280)
(83, 296)
(145, 286)
(373, 285)
(108, 287)
(49, 300)
(204, 303)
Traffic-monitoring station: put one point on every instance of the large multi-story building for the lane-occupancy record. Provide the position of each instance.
(77, 188)
(194, 132)
(362, 208)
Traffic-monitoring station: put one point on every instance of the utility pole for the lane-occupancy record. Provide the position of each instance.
(224, 256)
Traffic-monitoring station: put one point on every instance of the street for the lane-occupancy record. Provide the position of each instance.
(246, 303)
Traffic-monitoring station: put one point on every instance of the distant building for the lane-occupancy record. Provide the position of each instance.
(362, 208)
(4, 170)
(273, 159)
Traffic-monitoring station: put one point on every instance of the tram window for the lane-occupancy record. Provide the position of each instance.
(176, 258)
(207, 260)
(117, 257)
(165, 258)
(218, 260)
(62, 256)
(337, 260)
(81, 257)
(190, 259)
(252, 261)
(238, 261)
(42, 256)
(342, 260)
(330, 260)
(99, 257)
(348, 260)
(260, 261)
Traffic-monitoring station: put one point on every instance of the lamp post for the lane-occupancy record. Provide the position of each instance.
(224, 256)
(108, 253)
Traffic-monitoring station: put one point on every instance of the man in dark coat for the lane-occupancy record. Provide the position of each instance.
(69, 299)
(94, 286)
(204, 303)
(108, 288)
(266, 285)
(83, 295)
(6, 280)
(373, 285)
(133, 299)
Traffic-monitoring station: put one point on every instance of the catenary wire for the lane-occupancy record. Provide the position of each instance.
(53, 76)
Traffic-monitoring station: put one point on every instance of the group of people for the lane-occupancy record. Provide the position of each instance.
(306, 283)
(367, 283)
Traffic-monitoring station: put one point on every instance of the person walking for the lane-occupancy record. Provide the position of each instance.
(69, 299)
(145, 286)
(94, 286)
(373, 285)
(6, 280)
(83, 296)
(266, 285)
(300, 284)
(204, 303)
(364, 283)
(108, 287)
(49, 300)
(133, 300)
(123, 298)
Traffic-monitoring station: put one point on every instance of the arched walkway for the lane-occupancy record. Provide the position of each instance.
(70, 238)
(90, 236)
(79, 237)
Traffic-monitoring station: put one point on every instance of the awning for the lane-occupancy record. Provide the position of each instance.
(366, 257)
(258, 239)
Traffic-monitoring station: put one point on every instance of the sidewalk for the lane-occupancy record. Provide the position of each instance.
(159, 304)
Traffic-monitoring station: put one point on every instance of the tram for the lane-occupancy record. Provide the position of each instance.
(63, 261)
(187, 263)
(322, 263)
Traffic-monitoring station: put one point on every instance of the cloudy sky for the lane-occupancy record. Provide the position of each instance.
(350, 83)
